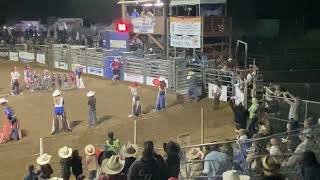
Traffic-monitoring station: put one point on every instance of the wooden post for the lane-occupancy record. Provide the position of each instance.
(134, 131)
(123, 10)
(202, 127)
(41, 147)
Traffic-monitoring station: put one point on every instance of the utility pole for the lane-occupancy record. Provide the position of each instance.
(123, 10)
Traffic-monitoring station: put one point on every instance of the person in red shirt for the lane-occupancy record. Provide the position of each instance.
(116, 69)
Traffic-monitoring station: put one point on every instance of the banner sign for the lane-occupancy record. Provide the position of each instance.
(41, 58)
(61, 65)
(14, 56)
(4, 54)
(133, 77)
(154, 81)
(212, 88)
(185, 32)
(95, 71)
(118, 44)
(143, 24)
(26, 57)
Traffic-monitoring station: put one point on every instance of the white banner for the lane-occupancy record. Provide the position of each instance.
(185, 32)
(26, 56)
(185, 41)
(118, 44)
(212, 88)
(133, 77)
(95, 71)
(41, 58)
(4, 54)
(239, 96)
(14, 56)
(143, 24)
(154, 81)
(61, 65)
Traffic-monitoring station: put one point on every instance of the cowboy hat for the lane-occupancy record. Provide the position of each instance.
(194, 153)
(129, 150)
(91, 93)
(65, 152)
(56, 178)
(89, 150)
(234, 175)
(112, 166)
(56, 93)
(134, 84)
(3, 100)
(43, 159)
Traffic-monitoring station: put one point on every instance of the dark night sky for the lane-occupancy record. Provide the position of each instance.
(106, 10)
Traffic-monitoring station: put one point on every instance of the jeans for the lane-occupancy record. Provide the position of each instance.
(46, 83)
(15, 87)
(253, 126)
(92, 117)
(161, 102)
(64, 122)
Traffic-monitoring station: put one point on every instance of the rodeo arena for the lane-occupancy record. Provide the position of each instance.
(154, 96)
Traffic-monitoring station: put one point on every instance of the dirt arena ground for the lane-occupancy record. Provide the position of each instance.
(113, 106)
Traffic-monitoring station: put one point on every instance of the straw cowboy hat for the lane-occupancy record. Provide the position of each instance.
(56, 93)
(65, 152)
(112, 166)
(90, 150)
(43, 159)
(56, 178)
(194, 153)
(91, 93)
(3, 100)
(129, 150)
(234, 175)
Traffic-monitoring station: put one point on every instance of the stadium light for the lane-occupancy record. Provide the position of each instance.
(158, 3)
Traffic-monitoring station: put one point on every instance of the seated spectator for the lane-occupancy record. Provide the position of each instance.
(76, 164)
(241, 135)
(260, 145)
(45, 170)
(147, 166)
(307, 128)
(234, 175)
(194, 166)
(275, 148)
(112, 168)
(292, 139)
(172, 160)
(129, 152)
(112, 144)
(135, 13)
(31, 174)
(91, 161)
(215, 163)
(271, 168)
(310, 166)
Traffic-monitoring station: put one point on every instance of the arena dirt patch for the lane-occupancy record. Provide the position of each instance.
(113, 106)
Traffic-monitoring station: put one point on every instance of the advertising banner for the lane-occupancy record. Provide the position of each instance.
(41, 58)
(118, 44)
(14, 56)
(185, 32)
(212, 88)
(154, 81)
(95, 71)
(133, 77)
(61, 65)
(143, 24)
(26, 57)
(4, 54)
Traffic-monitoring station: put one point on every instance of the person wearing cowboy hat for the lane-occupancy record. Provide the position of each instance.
(59, 112)
(45, 169)
(136, 105)
(113, 167)
(15, 76)
(128, 151)
(79, 71)
(195, 167)
(161, 98)
(65, 153)
(92, 109)
(91, 161)
(234, 175)
(11, 127)
(271, 168)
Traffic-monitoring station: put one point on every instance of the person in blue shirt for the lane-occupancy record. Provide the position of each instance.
(59, 112)
(13, 121)
(135, 13)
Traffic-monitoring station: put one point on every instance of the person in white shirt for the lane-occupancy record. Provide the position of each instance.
(294, 103)
(275, 148)
(15, 77)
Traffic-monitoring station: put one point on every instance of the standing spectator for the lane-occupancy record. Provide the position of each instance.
(15, 76)
(92, 109)
(129, 152)
(91, 161)
(241, 115)
(65, 81)
(161, 98)
(78, 72)
(215, 163)
(310, 166)
(135, 13)
(105, 155)
(59, 78)
(31, 174)
(172, 160)
(65, 154)
(46, 79)
(216, 95)
(307, 128)
(45, 170)
(76, 164)
(275, 148)
(147, 167)
(195, 166)
(253, 116)
(294, 105)
(72, 77)
(27, 73)
(53, 81)
(113, 167)
(112, 144)
(136, 106)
